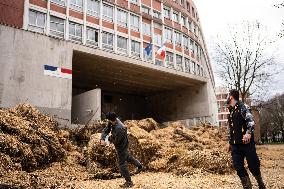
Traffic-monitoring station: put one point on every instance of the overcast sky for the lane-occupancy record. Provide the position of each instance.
(216, 15)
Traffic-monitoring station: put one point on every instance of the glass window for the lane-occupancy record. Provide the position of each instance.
(183, 21)
(57, 26)
(76, 4)
(175, 17)
(158, 39)
(146, 28)
(191, 46)
(135, 48)
(122, 44)
(168, 34)
(159, 62)
(107, 40)
(145, 9)
(189, 25)
(134, 22)
(193, 11)
(134, 1)
(158, 26)
(108, 12)
(60, 2)
(122, 17)
(170, 60)
(187, 65)
(167, 12)
(178, 38)
(193, 68)
(92, 36)
(156, 14)
(36, 21)
(182, 2)
(188, 6)
(185, 42)
(179, 62)
(75, 31)
(93, 7)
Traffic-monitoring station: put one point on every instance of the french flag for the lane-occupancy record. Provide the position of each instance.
(162, 51)
(57, 72)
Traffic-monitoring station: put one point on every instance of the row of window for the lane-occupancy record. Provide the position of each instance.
(37, 22)
(93, 8)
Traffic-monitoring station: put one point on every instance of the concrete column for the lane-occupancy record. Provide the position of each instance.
(86, 107)
(47, 25)
(84, 37)
(26, 15)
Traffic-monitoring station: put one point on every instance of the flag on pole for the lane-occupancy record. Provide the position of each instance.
(162, 51)
(148, 49)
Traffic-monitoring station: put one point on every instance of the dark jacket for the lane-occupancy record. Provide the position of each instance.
(118, 135)
(240, 122)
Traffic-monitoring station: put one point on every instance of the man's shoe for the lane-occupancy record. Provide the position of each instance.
(246, 182)
(127, 184)
(260, 182)
(140, 169)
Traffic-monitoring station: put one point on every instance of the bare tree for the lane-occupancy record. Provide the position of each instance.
(241, 58)
(281, 6)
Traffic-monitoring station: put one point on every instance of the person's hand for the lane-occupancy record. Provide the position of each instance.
(103, 143)
(229, 147)
(246, 138)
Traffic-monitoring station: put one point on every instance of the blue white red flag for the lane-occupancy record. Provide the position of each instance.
(57, 72)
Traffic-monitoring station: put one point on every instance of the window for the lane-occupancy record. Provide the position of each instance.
(60, 2)
(193, 12)
(168, 34)
(183, 21)
(135, 48)
(76, 5)
(108, 12)
(175, 17)
(134, 22)
(188, 6)
(179, 62)
(93, 7)
(75, 31)
(134, 1)
(145, 9)
(185, 42)
(158, 39)
(182, 2)
(146, 28)
(36, 21)
(189, 25)
(107, 40)
(167, 12)
(191, 46)
(159, 62)
(56, 26)
(158, 26)
(156, 14)
(195, 48)
(122, 17)
(198, 70)
(170, 60)
(92, 36)
(122, 44)
(178, 38)
(187, 65)
(193, 68)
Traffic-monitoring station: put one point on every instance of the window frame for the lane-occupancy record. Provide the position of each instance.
(132, 26)
(56, 33)
(76, 37)
(107, 17)
(146, 7)
(107, 46)
(145, 29)
(121, 49)
(120, 22)
(170, 60)
(59, 2)
(166, 34)
(76, 6)
(169, 11)
(90, 41)
(178, 42)
(92, 11)
(135, 53)
(177, 16)
(179, 64)
(34, 26)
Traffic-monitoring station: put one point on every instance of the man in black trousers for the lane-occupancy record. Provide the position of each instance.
(241, 140)
(120, 140)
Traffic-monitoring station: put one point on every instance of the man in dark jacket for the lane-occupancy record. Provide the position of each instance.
(241, 140)
(119, 138)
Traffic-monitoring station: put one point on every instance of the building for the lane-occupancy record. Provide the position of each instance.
(77, 59)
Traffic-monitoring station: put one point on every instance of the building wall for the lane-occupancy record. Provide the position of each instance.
(22, 59)
(11, 12)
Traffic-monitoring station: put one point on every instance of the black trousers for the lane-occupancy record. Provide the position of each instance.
(248, 152)
(123, 158)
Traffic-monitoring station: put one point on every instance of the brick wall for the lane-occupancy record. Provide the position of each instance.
(11, 12)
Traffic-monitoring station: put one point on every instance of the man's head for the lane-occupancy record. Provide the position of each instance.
(111, 116)
(233, 97)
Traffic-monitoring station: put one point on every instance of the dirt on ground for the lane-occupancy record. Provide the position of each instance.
(35, 153)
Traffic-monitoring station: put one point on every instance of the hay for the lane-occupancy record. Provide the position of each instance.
(29, 138)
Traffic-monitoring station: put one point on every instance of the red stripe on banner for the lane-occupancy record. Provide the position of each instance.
(64, 70)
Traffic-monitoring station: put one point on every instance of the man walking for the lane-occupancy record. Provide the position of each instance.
(241, 140)
(119, 138)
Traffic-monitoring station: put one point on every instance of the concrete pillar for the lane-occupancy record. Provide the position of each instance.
(86, 107)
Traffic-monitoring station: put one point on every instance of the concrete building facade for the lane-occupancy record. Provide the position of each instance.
(100, 45)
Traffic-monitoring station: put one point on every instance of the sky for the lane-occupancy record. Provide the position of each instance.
(215, 15)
